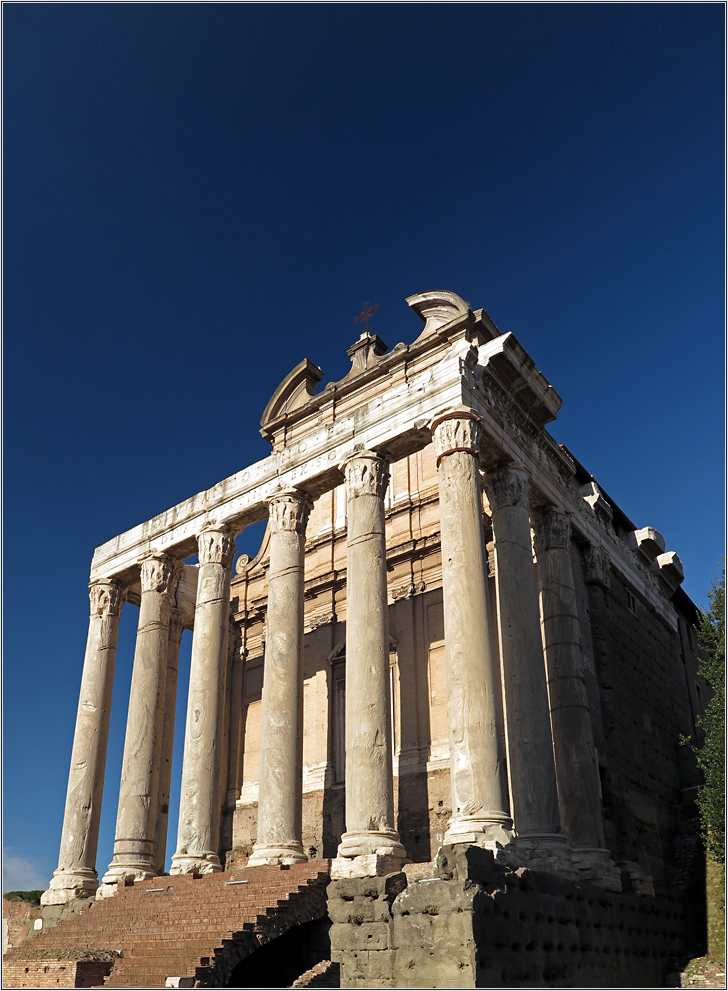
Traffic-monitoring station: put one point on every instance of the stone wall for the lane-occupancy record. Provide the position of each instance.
(481, 925)
(648, 779)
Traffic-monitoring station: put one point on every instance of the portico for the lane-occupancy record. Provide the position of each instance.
(522, 760)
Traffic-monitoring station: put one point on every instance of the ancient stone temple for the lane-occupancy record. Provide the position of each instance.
(452, 650)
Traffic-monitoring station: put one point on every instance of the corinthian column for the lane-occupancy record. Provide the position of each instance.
(199, 809)
(137, 814)
(281, 743)
(577, 771)
(370, 846)
(176, 626)
(476, 767)
(75, 876)
(530, 748)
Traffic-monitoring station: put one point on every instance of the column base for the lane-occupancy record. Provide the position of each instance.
(122, 873)
(67, 886)
(493, 832)
(595, 865)
(277, 853)
(368, 853)
(545, 852)
(195, 863)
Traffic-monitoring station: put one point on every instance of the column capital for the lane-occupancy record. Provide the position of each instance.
(597, 566)
(366, 473)
(289, 510)
(507, 485)
(107, 598)
(160, 573)
(456, 430)
(216, 545)
(552, 529)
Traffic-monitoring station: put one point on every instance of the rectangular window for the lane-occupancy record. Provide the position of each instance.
(631, 603)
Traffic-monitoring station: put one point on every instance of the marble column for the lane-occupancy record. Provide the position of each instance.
(235, 780)
(137, 814)
(577, 771)
(176, 626)
(370, 846)
(280, 793)
(199, 810)
(75, 876)
(477, 780)
(539, 841)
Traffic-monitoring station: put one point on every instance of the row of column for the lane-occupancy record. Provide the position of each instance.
(141, 825)
(548, 729)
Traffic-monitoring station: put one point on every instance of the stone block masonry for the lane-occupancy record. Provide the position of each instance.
(480, 924)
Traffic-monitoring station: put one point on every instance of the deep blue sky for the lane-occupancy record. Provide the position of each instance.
(198, 196)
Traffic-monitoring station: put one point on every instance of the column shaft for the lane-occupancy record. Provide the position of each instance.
(75, 876)
(234, 781)
(476, 767)
(199, 811)
(370, 838)
(176, 626)
(577, 773)
(530, 748)
(136, 818)
(281, 746)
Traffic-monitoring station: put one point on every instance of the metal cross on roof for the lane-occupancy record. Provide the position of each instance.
(366, 312)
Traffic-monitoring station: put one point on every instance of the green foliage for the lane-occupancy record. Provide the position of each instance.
(711, 756)
(32, 897)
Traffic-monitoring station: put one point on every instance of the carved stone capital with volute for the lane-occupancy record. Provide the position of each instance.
(507, 486)
(596, 566)
(289, 511)
(160, 573)
(107, 598)
(216, 545)
(552, 529)
(456, 430)
(366, 473)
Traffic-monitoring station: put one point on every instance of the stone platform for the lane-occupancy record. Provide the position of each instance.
(478, 924)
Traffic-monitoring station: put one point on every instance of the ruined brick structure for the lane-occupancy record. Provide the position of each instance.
(451, 637)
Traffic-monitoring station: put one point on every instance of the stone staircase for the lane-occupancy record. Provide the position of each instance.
(196, 929)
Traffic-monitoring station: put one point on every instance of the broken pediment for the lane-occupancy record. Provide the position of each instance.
(294, 391)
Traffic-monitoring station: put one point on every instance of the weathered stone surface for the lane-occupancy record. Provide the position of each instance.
(473, 697)
(137, 813)
(369, 790)
(577, 771)
(76, 877)
(176, 626)
(281, 748)
(199, 813)
(530, 752)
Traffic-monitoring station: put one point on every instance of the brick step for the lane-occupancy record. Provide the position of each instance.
(181, 931)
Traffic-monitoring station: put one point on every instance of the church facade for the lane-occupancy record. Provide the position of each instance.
(451, 635)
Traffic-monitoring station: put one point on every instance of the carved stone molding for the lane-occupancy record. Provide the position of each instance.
(507, 486)
(366, 473)
(552, 529)
(160, 573)
(107, 598)
(596, 566)
(457, 430)
(216, 545)
(289, 511)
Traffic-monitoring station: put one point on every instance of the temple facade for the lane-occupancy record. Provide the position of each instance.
(450, 636)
